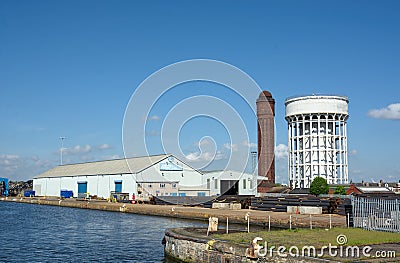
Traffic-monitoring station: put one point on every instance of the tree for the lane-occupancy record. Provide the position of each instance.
(319, 186)
(340, 190)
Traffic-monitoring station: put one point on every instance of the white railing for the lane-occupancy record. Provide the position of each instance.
(377, 214)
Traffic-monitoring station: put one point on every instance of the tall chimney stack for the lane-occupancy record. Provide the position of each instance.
(266, 140)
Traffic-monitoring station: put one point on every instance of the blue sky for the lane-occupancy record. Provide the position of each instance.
(69, 68)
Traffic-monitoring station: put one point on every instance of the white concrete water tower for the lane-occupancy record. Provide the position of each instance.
(317, 142)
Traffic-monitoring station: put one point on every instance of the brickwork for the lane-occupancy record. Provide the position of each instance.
(266, 139)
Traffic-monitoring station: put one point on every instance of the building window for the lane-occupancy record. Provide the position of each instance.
(162, 185)
(251, 184)
(244, 183)
(173, 194)
(173, 185)
(201, 194)
(208, 183)
(216, 183)
(149, 185)
(182, 194)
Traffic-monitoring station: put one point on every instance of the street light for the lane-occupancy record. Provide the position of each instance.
(62, 138)
(253, 168)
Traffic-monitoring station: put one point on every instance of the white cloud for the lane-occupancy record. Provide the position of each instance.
(232, 147)
(104, 146)
(17, 168)
(85, 149)
(77, 149)
(152, 133)
(353, 152)
(281, 151)
(9, 156)
(84, 153)
(205, 156)
(219, 156)
(205, 141)
(154, 118)
(8, 159)
(9, 162)
(249, 144)
(391, 112)
(192, 156)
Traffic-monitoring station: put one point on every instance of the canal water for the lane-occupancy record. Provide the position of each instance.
(39, 233)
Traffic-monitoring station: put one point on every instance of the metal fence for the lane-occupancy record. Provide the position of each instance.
(376, 214)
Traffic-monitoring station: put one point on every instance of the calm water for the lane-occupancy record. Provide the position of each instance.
(38, 233)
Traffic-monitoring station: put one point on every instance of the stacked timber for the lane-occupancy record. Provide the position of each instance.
(279, 203)
(244, 200)
(181, 200)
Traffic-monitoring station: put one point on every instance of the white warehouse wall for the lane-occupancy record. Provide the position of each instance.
(100, 185)
(189, 180)
(215, 189)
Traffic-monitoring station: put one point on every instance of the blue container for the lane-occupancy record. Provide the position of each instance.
(66, 193)
(29, 193)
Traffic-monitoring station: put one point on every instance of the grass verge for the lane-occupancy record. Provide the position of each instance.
(316, 237)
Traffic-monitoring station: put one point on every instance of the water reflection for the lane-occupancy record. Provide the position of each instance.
(38, 233)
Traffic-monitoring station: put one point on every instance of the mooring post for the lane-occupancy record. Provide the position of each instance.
(227, 225)
(310, 221)
(269, 222)
(290, 221)
(248, 224)
(348, 220)
(330, 221)
(247, 217)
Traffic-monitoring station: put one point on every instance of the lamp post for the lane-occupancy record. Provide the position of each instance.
(254, 160)
(62, 138)
(253, 168)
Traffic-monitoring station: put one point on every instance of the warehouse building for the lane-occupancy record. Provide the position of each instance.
(158, 175)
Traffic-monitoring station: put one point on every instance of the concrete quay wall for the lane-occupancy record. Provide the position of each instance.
(257, 218)
(182, 246)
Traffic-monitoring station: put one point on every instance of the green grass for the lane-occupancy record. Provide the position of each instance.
(315, 237)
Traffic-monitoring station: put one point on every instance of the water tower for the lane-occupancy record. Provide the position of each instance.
(317, 139)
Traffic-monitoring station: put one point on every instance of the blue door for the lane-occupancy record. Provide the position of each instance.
(82, 189)
(118, 186)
